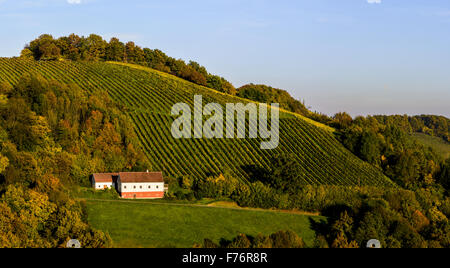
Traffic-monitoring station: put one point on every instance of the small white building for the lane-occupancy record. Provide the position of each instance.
(102, 181)
(132, 185)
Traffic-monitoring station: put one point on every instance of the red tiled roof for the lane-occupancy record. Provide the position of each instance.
(140, 177)
(105, 177)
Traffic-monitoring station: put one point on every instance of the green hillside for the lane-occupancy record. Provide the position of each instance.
(134, 224)
(148, 96)
(438, 144)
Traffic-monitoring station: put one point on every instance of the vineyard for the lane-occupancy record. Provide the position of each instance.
(148, 96)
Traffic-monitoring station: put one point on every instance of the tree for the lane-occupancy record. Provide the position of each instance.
(187, 182)
(26, 54)
(115, 50)
(444, 177)
(49, 51)
(12, 229)
(196, 66)
(286, 174)
(44, 48)
(208, 243)
(73, 45)
(190, 74)
(130, 52)
(227, 87)
(419, 221)
(370, 148)
(44, 40)
(342, 242)
(262, 241)
(220, 84)
(4, 162)
(95, 48)
(269, 95)
(342, 120)
(34, 209)
(18, 122)
(407, 235)
(241, 241)
(5, 88)
(286, 239)
(344, 225)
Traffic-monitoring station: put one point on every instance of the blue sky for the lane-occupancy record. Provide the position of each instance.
(386, 57)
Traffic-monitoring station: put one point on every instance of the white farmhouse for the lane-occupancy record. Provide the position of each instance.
(132, 185)
(141, 185)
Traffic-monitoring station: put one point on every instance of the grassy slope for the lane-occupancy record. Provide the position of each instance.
(439, 145)
(148, 95)
(134, 224)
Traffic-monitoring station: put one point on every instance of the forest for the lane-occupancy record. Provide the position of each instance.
(397, 217)
(52, 137)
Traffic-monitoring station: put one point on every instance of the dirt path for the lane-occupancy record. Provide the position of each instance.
(293, 212)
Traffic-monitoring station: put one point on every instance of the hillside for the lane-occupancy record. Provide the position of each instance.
(191, 224)
(437, 144)
(148, 96)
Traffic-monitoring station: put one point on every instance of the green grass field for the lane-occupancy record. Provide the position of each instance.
(146, 224)
(147, 97)
(439, 145)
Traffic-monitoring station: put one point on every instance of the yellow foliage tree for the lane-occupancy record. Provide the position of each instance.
(342, 242)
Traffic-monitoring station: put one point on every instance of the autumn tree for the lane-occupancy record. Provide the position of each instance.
(342, 120)
(115, 50)
(286, 174)
(286, 239)
(44, 48)
(26, 54)
(95, 48)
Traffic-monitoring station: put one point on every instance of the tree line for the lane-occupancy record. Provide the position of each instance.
(281, 239)
(95, 48)
(385, 142)
(267, 94)
(433, 125)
